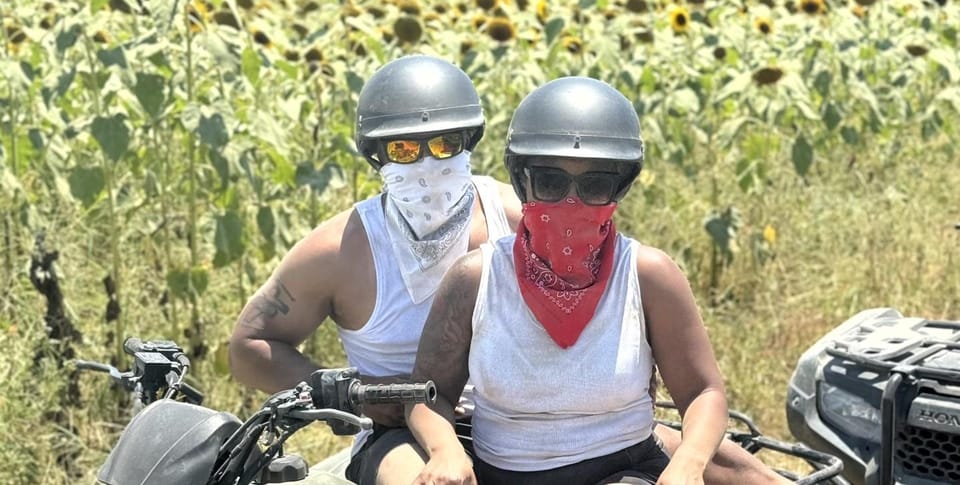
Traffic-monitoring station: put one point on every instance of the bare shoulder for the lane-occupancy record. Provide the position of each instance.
(651, 260)
(657, 271)
(324, 251)
(511, 204)
(324, 243)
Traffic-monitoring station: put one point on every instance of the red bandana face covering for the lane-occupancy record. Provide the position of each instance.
(563, 256)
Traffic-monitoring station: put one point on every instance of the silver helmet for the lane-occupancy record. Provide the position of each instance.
(416, 95)
(575, 117)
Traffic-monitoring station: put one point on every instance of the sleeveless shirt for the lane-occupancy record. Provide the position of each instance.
(387, 343)
(539, 406)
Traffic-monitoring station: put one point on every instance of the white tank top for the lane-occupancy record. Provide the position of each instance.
(539, 406)
(387, 343)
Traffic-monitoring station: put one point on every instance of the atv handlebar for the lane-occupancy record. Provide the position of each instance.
(394, 393)
(159, 369)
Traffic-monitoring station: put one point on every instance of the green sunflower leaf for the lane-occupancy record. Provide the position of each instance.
(802, 155)
(112, 134)
(228, 239)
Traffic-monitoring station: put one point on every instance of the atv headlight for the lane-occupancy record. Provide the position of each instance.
(849, 412)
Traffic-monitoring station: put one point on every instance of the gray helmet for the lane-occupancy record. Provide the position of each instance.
(416, 95)
(575, 117)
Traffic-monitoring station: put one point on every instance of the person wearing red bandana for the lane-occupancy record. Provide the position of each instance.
(561, 326)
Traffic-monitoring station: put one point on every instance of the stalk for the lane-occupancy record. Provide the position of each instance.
(114, 241)
(8, 220)
(192, 192)
(165, 177)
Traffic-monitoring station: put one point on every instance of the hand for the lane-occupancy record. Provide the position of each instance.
(681, 472)
(390, 415)
(454, 468)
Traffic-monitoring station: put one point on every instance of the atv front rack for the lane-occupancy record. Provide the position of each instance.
(826, 466)
(914, 354)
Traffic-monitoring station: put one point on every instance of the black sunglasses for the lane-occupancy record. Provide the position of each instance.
(551, 184)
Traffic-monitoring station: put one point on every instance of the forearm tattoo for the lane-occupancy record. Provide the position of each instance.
(445, 343)
(275, 299)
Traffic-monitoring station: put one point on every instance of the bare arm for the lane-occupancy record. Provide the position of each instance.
(285, 311)
(443, 356)
(685, 358)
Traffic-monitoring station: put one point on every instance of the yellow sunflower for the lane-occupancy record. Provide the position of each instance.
(679, 19)
(198, 14)
(313, 55)
(644, 35)
(767, 75)
(917, 50)
(501, 29)
(261, 37)
(386, 34)
(764, 25)
(770, 234)
(101, 37)
(15, 34)
(226, 17)
(572, 44)
(812, 7)
(719, 53)
(291, 55)
(408, 29)
(486, 4)
(637, 6)
(478, 22)
(542, 11)
(859, 10)
(348, 10)
(409, 7)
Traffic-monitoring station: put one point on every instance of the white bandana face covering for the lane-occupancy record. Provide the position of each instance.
(428, 212)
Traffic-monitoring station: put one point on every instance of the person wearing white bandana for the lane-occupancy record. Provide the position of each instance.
(374, 269)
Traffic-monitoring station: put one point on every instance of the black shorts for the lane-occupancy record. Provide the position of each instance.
(363, 466)
(641, 463)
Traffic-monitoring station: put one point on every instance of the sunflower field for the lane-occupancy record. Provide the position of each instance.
(158, 157)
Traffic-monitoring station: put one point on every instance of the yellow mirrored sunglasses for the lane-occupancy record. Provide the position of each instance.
(409, 150)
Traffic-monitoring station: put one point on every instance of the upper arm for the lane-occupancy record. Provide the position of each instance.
(298, 296)
(445, 342)
(676, 332)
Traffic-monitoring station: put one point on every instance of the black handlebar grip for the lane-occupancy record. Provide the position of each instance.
(132, 345)
(395, 393)
(193, 395)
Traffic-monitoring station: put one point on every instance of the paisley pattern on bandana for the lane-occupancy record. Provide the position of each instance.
(428, 210)
(429, 249)
(563, 255)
